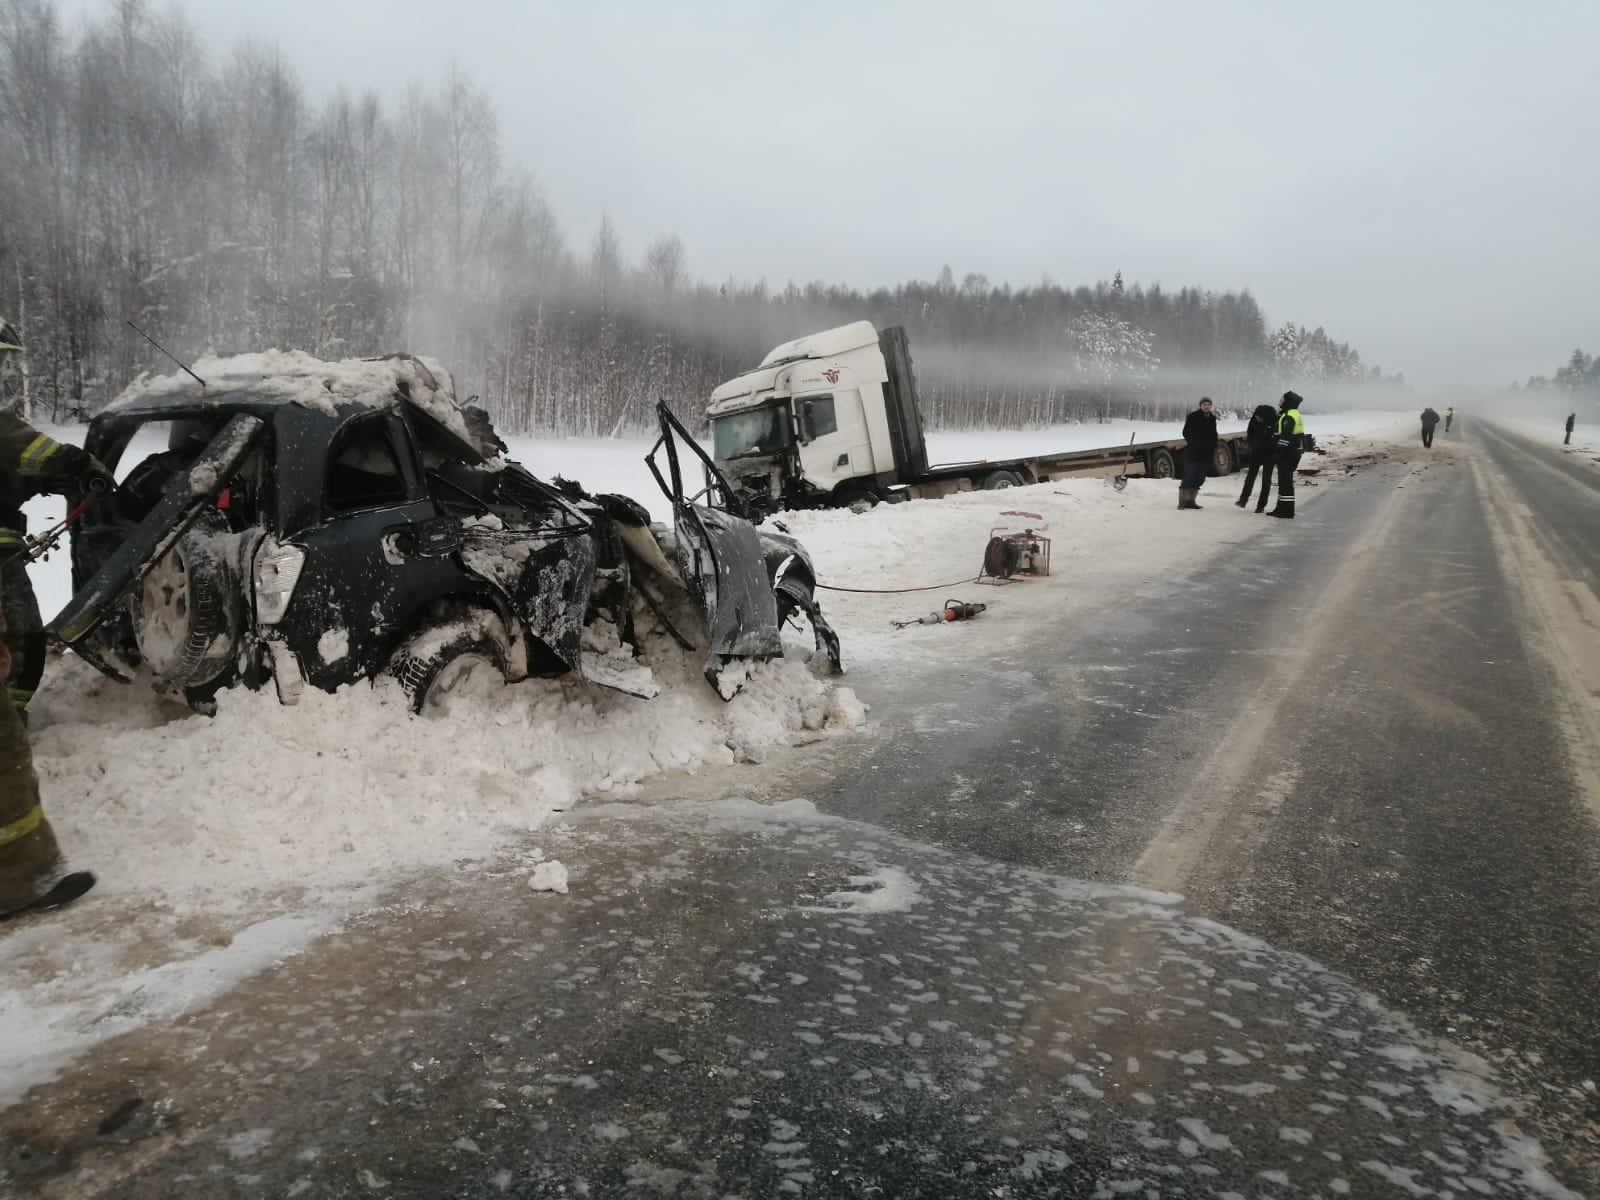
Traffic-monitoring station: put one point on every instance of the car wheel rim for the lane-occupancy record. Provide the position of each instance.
(164, 611)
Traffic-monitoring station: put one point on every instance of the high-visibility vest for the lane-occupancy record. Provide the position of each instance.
(1291, 430)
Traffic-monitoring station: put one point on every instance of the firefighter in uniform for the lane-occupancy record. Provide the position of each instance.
(1287, 447)
(30, 463)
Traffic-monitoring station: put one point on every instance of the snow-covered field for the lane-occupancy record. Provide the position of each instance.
(234, 840)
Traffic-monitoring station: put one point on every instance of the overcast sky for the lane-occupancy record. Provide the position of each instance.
(1422, 178)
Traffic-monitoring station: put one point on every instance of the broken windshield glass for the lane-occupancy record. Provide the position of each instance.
(757, 431)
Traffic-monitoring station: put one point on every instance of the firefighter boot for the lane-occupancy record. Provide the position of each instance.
(29, 858)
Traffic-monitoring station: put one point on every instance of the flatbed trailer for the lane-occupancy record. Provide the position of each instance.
(831, 419)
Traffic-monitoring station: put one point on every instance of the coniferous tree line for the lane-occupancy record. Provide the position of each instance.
(215, 204)
(1580, 376)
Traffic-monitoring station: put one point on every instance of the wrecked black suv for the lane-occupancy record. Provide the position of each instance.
(321, 523)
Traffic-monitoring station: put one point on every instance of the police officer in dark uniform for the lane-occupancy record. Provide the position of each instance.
(1287, 448)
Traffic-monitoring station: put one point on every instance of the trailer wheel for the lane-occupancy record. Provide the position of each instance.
(1222, 459)
(996, 480)
(1161, 465)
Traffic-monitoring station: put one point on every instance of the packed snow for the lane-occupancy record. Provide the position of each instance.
(311, 382)
(236, 839)
(549, 876)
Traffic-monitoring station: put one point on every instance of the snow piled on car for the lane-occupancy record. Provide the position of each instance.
(303, 379)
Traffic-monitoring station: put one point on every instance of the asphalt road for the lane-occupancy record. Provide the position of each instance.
(1364, 740)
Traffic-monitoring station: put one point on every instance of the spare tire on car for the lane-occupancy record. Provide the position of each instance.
(186, 616)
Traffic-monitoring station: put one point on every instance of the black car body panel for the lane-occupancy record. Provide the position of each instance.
(721, 556)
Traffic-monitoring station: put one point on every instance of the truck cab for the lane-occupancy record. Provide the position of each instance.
(823, 418)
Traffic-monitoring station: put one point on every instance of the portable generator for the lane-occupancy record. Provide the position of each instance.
(1014, 552)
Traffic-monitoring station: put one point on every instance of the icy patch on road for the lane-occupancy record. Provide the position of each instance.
(888, 889)
(89, 994)
(1030, 1024)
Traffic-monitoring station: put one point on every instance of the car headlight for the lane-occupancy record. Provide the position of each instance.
(277, 570)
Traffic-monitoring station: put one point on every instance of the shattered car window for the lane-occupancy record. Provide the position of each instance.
(363, 468)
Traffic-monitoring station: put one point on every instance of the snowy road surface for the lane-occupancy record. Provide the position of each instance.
(718, 1009)
(1362, 737)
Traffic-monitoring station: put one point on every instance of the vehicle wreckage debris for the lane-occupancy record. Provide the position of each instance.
(397, 540)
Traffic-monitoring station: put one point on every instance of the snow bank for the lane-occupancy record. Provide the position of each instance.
(346, 789)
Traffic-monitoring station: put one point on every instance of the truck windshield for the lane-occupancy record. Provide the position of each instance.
(758, 431)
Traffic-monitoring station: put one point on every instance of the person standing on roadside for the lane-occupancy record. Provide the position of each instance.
(1258, 437)
(1200, 447)
(1572, 420)
(1288, 445)
(1449, 415)
(1429, 420)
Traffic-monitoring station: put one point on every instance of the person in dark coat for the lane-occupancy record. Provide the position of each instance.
(1429, 420)
(1200, 447)
(1258, 438)
(1572, 419)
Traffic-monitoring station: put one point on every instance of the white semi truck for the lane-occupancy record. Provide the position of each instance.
(832, 418)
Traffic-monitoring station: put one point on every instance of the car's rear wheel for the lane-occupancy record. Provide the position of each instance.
(186, 619)
(453, 663)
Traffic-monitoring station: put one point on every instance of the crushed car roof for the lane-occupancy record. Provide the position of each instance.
(278, 377)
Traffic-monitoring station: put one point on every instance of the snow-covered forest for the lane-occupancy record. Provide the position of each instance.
(205, 194)
(1580, 377)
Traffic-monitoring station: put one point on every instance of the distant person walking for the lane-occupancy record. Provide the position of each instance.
(1449, 415)
(1572, 419)
(1429, 420)
(1258, 437)
(1287, 446)
(1200, 447)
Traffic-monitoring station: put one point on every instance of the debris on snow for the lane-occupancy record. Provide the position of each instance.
(549, 876)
